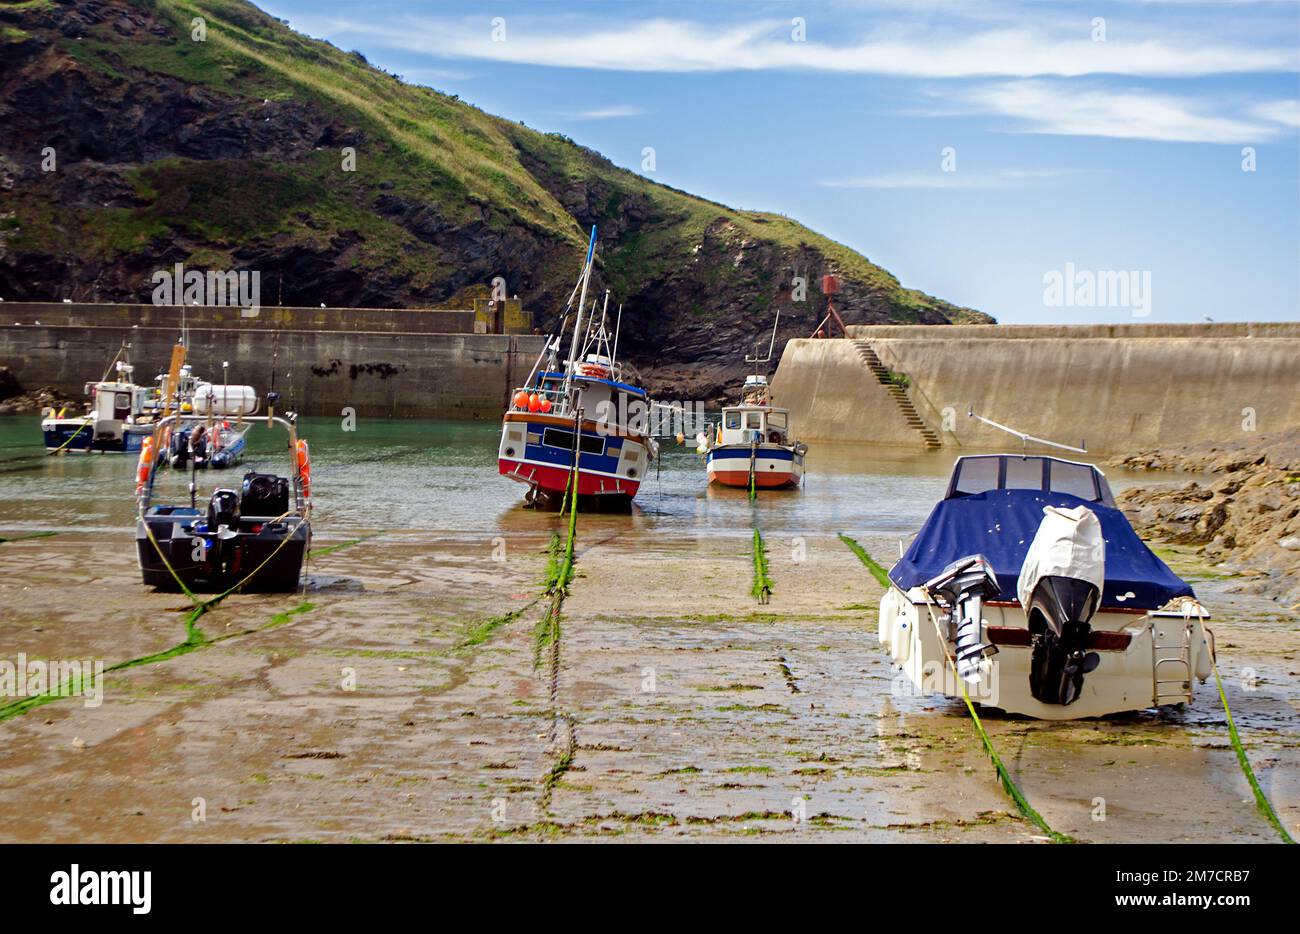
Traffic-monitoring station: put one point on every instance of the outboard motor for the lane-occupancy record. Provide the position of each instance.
(265, 495)
(961, 589)
(223, 524)
(1060, 591)
(179, 454)
(199, 446)
(223, 511)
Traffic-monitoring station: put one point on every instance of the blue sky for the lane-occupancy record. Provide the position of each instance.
(1108, 136)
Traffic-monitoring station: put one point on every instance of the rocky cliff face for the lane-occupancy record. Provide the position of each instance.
(1244, 515)
(128, 146)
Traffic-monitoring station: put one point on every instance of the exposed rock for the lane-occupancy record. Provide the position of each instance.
(1245, 514)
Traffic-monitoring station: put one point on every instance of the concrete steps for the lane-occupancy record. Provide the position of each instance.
(899, 394)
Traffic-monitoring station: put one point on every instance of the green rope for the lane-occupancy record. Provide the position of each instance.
(1008, 784)
(762, 589)
(1261, 800)
(882, 578)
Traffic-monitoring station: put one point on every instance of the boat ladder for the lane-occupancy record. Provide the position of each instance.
(1171, 674)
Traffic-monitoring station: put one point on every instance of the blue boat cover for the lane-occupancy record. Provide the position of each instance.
(1000, 525)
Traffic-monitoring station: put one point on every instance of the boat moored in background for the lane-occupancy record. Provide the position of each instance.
(754, 444)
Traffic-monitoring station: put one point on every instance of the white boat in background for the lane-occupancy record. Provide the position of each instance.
(753, 442)
(121, 415)
(1031, 584)
(753, 445)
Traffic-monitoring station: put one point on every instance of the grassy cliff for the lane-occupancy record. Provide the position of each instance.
(228, 153)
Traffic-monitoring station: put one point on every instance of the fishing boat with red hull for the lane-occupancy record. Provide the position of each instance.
(580, 411)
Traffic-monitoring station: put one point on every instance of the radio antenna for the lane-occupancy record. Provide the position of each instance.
(1024, 438)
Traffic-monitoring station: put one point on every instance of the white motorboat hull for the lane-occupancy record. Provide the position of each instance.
(1148, 659)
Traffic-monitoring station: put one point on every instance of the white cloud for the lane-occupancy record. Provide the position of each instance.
(672, 45)
(1070, 110)
(1002, 178)
(604, 113)
(1284, 112)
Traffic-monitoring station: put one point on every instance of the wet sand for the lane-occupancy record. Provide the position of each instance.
(673, 707)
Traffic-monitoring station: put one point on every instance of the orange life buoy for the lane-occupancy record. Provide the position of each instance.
(304, 468)
(145, 466)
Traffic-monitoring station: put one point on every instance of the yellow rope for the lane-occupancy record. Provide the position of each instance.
(84, 425)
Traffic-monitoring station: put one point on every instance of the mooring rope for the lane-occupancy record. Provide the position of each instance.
(1004, 776)
(762, 589)
(558, 589)
(1261, 800)
(1008, 783)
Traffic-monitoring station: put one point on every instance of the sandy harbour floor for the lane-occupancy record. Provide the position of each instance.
(675, 708)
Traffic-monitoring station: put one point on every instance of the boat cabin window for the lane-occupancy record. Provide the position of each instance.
(754, 420)
(1025, 473)
(1075, 479)
(776, 419)
(121, 405)
(977, 475)
(981, 473)
(559, 438)
(733, 420)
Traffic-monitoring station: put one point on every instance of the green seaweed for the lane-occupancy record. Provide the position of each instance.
(879, 573)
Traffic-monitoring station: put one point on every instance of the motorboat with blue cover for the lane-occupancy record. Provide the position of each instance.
(1030, 583)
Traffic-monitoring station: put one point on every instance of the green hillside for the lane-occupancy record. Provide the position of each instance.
(227, 153)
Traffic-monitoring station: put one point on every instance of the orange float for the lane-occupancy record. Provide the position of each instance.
(304, 468)
(145, 465)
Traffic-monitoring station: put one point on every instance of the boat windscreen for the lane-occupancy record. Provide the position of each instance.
(983, 472)
(1000, 525)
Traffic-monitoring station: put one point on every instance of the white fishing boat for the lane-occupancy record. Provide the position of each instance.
(121, 415)
(753, 445)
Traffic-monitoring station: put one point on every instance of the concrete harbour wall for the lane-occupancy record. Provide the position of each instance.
(1116, 386)
(347, 360)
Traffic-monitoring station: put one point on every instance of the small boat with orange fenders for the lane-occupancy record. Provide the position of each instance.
(580, 413)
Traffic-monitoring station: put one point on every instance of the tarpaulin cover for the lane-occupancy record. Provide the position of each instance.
(1001, 524)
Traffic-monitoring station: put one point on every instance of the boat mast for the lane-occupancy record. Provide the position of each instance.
(577, 324)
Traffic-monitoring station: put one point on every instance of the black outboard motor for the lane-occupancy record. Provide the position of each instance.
(265, 495)
(223, 525)
(179, 454)
(223, 510)
(961, 588)
(1060, 613)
